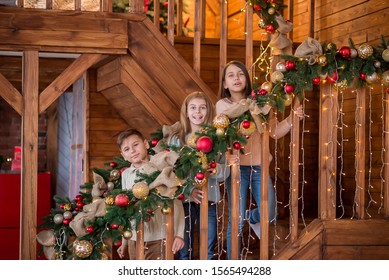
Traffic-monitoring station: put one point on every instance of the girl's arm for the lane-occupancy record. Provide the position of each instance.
(280, 129)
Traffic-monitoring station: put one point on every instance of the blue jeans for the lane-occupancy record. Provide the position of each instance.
(192, 219)
(249, 176)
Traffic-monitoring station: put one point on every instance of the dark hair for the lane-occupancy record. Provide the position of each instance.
(224, 92)
(127, 133)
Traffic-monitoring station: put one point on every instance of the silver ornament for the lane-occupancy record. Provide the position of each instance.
(110, 186)
(385, 55)
(353, 53)
(377, 64)
(371, 78)
(281, 67)
(58, 218)
(276, 76)
(67, 215)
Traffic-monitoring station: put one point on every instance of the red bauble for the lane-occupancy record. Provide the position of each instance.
(154, 142)
(79, 197)
(212, 164)
(181, 196)
(66, 222)
(253, 94)
(80, 204)
(114, 226)
(237, 145)
(289, 88)
(246, 124)
(290, 65)
(165, 4)
(118, 243)
(122, 200)
(62, 206)
(362, 76)
(90, 229)
(387, 90)
(344, 52)
(204, 144)
(112, 164)
(270, 28)
(200, 176)
(262, 91)
(316, 80)
(257, 7)
(332, 79)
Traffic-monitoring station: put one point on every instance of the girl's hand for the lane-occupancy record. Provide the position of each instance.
(299, 112)
(121, 250)
(196, 195)
(178, 244)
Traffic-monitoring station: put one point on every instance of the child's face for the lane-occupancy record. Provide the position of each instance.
(134, 150)
(197, 111)
(235, 80)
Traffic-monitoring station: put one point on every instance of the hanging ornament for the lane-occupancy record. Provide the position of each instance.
(362, 76)
(200, 176)
(276, 76)
(271, 11)
(290, 65)
(67, 207)
(387, 90)
(261, 23)
(245, 124)
(140, 190)
(385, 55)
(257, 7)
(281, 67)
(288, 99)
(220, 122)
(181, 196)
(333, 78)
(114, 226)
(262, 91)
(289, 88)
(236, 145)
(82, 248)
(385, 78)
(122, 200)
(377, 64)
(204, 144)
(364, 51)
(247, 129)
(344, 52)
(79, 197)
(109, 200)
(66, 222)
(110, 186)
(90, 229)
(80, 204)
(212, 164)
(114, 174)
(342, 85)
(58, 219)
(103, 257)
(270, 28)
(166, 210)
(330, 46)
(321, 60)
(371, 78)
(353, 53)
(200, 183)
(316, 80)
(268, 86)
(112, 164)
(127, 234)
(67, 215)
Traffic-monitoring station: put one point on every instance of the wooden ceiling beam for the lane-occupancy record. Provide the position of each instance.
(11, 95)
(73, 72)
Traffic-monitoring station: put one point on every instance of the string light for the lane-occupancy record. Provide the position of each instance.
(384, 135)
(341, 144)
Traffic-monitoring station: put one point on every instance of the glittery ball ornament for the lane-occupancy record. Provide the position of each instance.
(221, 121)
(385, 78)
(321, 60)
(109, 200)
(82, 248)
(114, 174)
(122, 200)
(364, 51)
(58, 218)
(140, 190)
(385, 55)
(166, 210)
(127, 234)
(192, 140)
(342, 85)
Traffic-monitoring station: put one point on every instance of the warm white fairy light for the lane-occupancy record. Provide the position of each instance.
(384, 135)
(341, 144)
(303, 182)
(370, 186)
(357, 126)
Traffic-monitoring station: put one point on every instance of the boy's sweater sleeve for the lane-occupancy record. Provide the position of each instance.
(179, 219)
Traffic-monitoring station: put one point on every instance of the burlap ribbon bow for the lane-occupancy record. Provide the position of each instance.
(99, 185)
(169, 132)
(248, 104)
(280, 43)
(309, 49)
(47, 239)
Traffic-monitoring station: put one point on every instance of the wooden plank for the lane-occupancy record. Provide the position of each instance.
(67, 78)
(327, 153)
(140, 245)
(204, 223)
(386, 155)
(356, 252)
(11, 95)
(312, 251)
(360, 126)
(235, 186)
(29, 177)
(169, 234)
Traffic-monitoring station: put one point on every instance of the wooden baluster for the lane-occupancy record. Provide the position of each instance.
(197, 36)
(140, 242)
(327, 152)
(360, 152)
(157, 12)
(386, 156)
(204, 223)
(180, 24)
(249, 38)
(223, 37)
(106, 6)
(235, 190)
(136, 6)
(169, 234)
(264, 205)
(170, 22)
(77, 5)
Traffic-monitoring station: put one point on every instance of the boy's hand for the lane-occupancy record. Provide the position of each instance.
(178, 244)
(196, 195)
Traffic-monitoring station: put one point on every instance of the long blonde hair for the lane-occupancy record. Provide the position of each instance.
(185, 124)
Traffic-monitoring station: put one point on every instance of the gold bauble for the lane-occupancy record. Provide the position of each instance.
(192, 140)
(221, 121)
(288, 99)
(220, 131)
(321, 60)
(127, 234)
(115, 174)
(247, 131)
(268, 86)
(109, 200)
(371, 78)
(342, 85)
(385, 78)
(166, 210)
(140, 190)
(271, 11)
(385, 55)
(276, 76)
(364, 51)
(82, 248)
(67, 207)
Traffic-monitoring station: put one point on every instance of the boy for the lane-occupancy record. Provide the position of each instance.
(133, 147)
